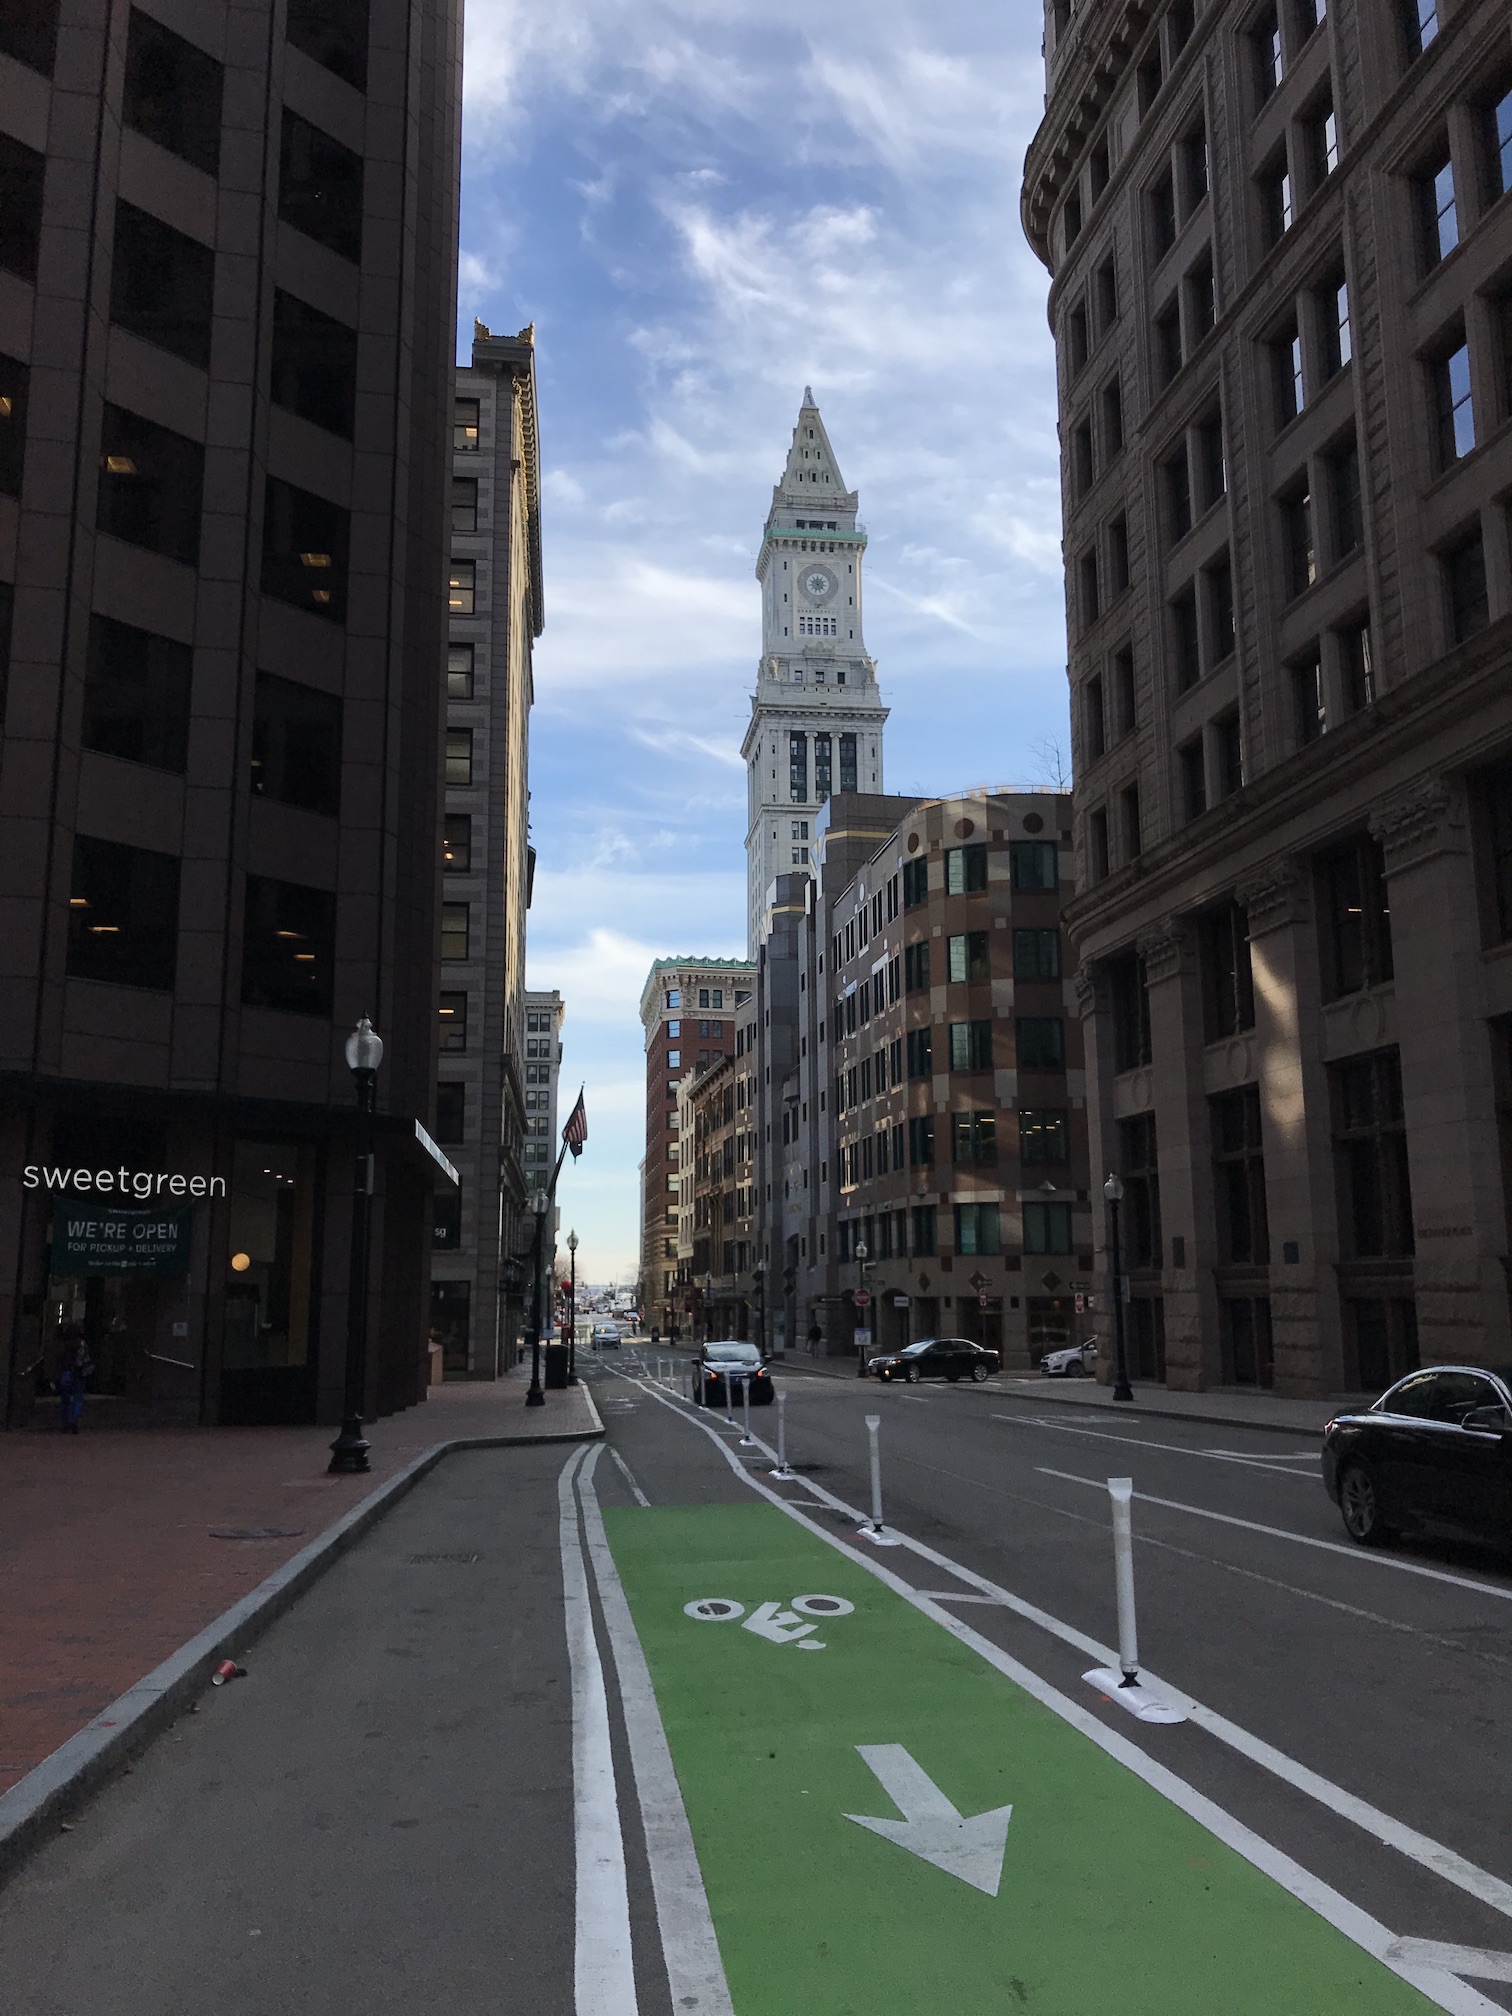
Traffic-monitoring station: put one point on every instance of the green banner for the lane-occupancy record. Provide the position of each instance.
(91, 1238)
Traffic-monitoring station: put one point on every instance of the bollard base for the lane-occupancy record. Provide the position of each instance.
(879, 1536)
(1130, 1695)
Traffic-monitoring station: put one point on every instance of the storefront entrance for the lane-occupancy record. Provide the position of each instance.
(268, 1355)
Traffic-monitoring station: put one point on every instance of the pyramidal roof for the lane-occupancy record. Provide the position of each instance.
(812, 475)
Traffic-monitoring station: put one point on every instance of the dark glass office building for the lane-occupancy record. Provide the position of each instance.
(227, 304)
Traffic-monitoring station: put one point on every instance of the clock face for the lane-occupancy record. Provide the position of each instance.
(818, 584)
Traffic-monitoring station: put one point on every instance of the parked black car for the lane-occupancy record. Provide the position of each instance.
(736, 1362)
(1435, 1451)
(949, 1358)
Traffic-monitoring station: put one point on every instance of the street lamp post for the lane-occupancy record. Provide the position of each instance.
(1113, 1191)
(708, 1308)
(572, 1378)
(540, 1204)
(759, 1273)
(364, 1053)
(862, 1252)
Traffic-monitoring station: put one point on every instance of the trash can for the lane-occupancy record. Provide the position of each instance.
(556, 1365)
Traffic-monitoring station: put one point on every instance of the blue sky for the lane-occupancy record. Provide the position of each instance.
(704, 205)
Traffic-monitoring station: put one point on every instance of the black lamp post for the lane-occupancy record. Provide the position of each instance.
(572, 1378)
(759, 1274)
(364, 1053)
(862, 1253)
(540, 1204)
(1113, 1191)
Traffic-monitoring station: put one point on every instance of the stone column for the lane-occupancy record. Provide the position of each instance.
(1447, 1082)
(1093, 1006)
(1294, 1128)
(1181, 1133)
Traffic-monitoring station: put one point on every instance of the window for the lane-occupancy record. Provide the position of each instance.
(1228, 754)
(462, 588)
(455, 932)
(1168, 343)
(1081, 459)
(798, 766)
(915, 882)
(1040, 1042)
(1129, 999)
(288, 946)
(1043, 1136)
(1265, 39)
(1345, 504)
(1094, 718)
(921, 1141)
(1309, 703)
(1186, 645)
(965, 870)
(305, 550)
(971, 1046)
(1320, 139)
(1335, 342)
(924, 1231)
(977, 1229)
(1118, 558)
(296, 745)
(1286, 364)
(1218, 587)
(1299, 555)
(1122, 665)
(320, 187)
(150, 481)
(1112, 420)
(451, 1113)
(1202, 299)
(1047, 1228)
(1239, 1178)
(1036, 954)
(1076, 338)
(1228, 987)
(456, 843)
(1453, 410)
(1193, 779)
(1176, 480)
(1438, 210)
(1140, 1169)
(1194, 167)
(465, 426)
(1277, 209)
(464, 504)
(334, 33)
(1105, 294)
(1370, 1158)
(1498, 147)
(452, 1022)
(314, 365)
(1034, 864)
(1163, 215)
(459, 755)
(459, 671)
(920, 1053)
(172, 92)
(1356, 666)
(446, 1220)
(21, 173)
(1354, 918)
(136, 695)
(1098, 857)
(822, 783)
(973, 1140)
(1465, 587)
(29, 32)
(161, 285)
(968, 957)
(1495, 794)
(1133, 831)
(847, 762)
(123, 915)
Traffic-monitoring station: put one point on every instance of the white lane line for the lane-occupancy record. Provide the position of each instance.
(1476, 1961)
(1395, 1834)
(624, 1469)
(695, 1972)
(1169, 1448)
(603, 1971)
(1443, 1989)
(1372, 1557)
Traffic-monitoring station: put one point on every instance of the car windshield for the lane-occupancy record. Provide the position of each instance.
(917, 1350)
(733, 1354)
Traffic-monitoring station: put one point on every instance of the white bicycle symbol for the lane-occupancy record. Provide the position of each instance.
(780, 1626)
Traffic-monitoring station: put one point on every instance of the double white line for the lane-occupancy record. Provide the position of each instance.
(604, 1965)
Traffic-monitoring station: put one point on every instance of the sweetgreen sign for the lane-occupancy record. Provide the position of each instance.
(90, 1238)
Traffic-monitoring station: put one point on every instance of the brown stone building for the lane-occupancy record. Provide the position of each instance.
(717, 1250)
(1281, 245)
(227, 304)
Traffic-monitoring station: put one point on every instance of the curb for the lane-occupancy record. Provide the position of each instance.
(65, 1779)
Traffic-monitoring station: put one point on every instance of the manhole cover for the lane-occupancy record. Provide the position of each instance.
(460, 1560)
(255, 1532)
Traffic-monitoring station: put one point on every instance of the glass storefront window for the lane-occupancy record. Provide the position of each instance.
(270, 1256)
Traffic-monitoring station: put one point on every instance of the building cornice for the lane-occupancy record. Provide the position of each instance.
(1087, 71)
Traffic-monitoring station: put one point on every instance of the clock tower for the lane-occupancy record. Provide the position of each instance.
(816, 716)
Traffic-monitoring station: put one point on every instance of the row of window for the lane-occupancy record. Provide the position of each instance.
(708, 997)
(889, 1235)
(798, 765)
(1043, 1140)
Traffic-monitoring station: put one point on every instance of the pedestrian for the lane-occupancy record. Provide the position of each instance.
(815, 1338)
(73, 1374)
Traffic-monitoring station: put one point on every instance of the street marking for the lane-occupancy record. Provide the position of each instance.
(1371, 1556)
(931, 1827)
(778, 1626)
(1170, 1448)
(603, 1969)
(624, 1469)
(714, 1610)
(1475, 1961)
(695, 1972)
(1406, 1841)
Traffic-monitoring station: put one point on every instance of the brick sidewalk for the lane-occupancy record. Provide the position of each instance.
(110, 1558)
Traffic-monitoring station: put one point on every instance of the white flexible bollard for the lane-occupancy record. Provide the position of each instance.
(729, 1403)
(1121, 1492)
(782, 1469)
(873, 1423)
(745, 1408)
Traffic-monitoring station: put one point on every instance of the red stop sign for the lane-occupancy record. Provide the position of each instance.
(863, 1298)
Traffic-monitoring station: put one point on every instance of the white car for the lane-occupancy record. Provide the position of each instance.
(1072, 1361)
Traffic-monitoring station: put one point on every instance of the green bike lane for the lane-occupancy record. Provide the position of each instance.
(826, 1749)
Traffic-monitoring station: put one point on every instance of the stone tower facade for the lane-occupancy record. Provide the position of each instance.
(816, 716)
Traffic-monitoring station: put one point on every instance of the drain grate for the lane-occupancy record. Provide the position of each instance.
(457, 1560)
(255, 1532)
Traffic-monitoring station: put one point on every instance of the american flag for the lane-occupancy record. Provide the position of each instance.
(575, 1133)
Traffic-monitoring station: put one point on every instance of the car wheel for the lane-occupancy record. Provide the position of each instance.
(978, 1373)
(1076, 1369)
(912, 1375)
(1360, 1503)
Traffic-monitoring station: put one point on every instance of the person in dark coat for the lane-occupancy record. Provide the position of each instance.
(73, 1376)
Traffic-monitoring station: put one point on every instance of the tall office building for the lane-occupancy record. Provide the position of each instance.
(496, 613)
(816, 715)
(227, 299)
(1282, 308)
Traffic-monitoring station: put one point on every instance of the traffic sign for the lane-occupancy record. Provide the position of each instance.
(862, 1298)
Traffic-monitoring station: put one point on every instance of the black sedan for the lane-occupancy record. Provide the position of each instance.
(949, 1358)
(732, 1365)
(1433, 1453)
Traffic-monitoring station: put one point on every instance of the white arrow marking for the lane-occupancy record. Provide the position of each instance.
(783, 1627)
(931, 1828)
(1475, 1961)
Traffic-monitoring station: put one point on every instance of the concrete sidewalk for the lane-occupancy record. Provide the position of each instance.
(122, 1545)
